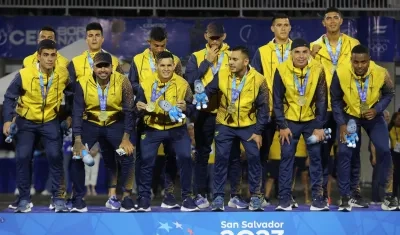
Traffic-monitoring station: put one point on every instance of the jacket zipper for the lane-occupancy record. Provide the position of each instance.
(238, 115)
(301, 84)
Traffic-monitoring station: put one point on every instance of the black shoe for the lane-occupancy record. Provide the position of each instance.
(345, 205)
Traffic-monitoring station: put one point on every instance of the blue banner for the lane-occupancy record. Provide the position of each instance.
(126, 37)
(202, 223)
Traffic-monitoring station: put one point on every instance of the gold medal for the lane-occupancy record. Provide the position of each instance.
(151, 106)
(301, 100)
(103, 116)
(231, 109)
(364, 107)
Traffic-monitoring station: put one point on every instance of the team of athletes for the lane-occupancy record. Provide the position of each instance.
(289, 91)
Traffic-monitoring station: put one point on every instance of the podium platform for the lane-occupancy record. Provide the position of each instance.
(173, 222)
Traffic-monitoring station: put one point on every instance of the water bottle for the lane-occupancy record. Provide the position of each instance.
(13, 131)
(87, 158)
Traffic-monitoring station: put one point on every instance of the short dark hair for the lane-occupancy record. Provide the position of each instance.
(46, 44)
(48, 28)
(164, 55)
(244, 50)
(94, 26)
(360, 49)
(332, 9)
(158, 34)
(279, 16)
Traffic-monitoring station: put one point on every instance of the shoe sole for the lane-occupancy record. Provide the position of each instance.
(313, 208)
(204, 205)
(83, 210)
(166, 206)
(23, 211)
(234, 205)
(144, 210)
(15, 207)
(256, 209)
(124, 210)
(344, 209)
(184, 209)
(386, 208)
(109, 206)
(279, 208)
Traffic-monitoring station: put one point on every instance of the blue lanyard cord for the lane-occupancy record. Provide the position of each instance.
(334, 56)
(301, 88)
(285, 55)
(362, 92)
(151, 62)
(103, 96)
(236, 92)
(45, 89)
(154, 94)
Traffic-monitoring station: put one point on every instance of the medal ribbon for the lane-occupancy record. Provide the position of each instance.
(102, 96)
(285, 55)
(236, 92)
(334, 56)
(151, 62)
(154, 94)
(362, 92)
(45, 89)
(90, 59)
(301, 88)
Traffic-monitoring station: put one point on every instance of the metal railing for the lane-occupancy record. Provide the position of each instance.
(209, 5)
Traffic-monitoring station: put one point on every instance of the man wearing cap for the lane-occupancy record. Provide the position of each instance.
(107, 100)
(46, 32)
(265, 61)
(82, 66)
(332, 50)
(242, 116)
(204, 65)
(300, 101)
(144, 68)
(361, 91)
(33, 99)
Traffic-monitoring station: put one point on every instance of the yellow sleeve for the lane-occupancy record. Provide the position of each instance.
(275, 150)
(211, 159)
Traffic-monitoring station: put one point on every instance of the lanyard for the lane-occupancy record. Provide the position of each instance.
(285, 54)
(154, 94)
(45, 89)
(236, 92)
(301, 88)
(90, 59)
(362, 92)
(151, 62)
(216, 68)
(103, 96)
(334, 56)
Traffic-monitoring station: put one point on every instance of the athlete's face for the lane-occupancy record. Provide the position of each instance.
(360, 63)
(165, 68)
(102, 70)
(238, 62)
(47, 58)
(94, 39)
(300, 56)
(215, 41)
(332, 22)
(281, 28)
(157, 47)
(44, 34)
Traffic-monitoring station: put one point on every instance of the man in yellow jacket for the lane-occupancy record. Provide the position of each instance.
(144, 68)
(265, 61)
(83, 66)
(33, 99)
(333, 50)
(157, 99)
(203, 65)
(107, 101)
(300, 102)
(242, 115)
(45, 33)
(361, 91)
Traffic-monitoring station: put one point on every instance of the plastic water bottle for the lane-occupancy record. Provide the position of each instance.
(13, 131)
(87, 158)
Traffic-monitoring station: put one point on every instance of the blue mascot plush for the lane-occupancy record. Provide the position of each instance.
(200, 98)
(352, 137)
(175, 113)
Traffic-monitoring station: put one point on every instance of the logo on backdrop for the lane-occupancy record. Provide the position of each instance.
(378, 28)
(252, 228)
(248, 34)
(3, 37)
